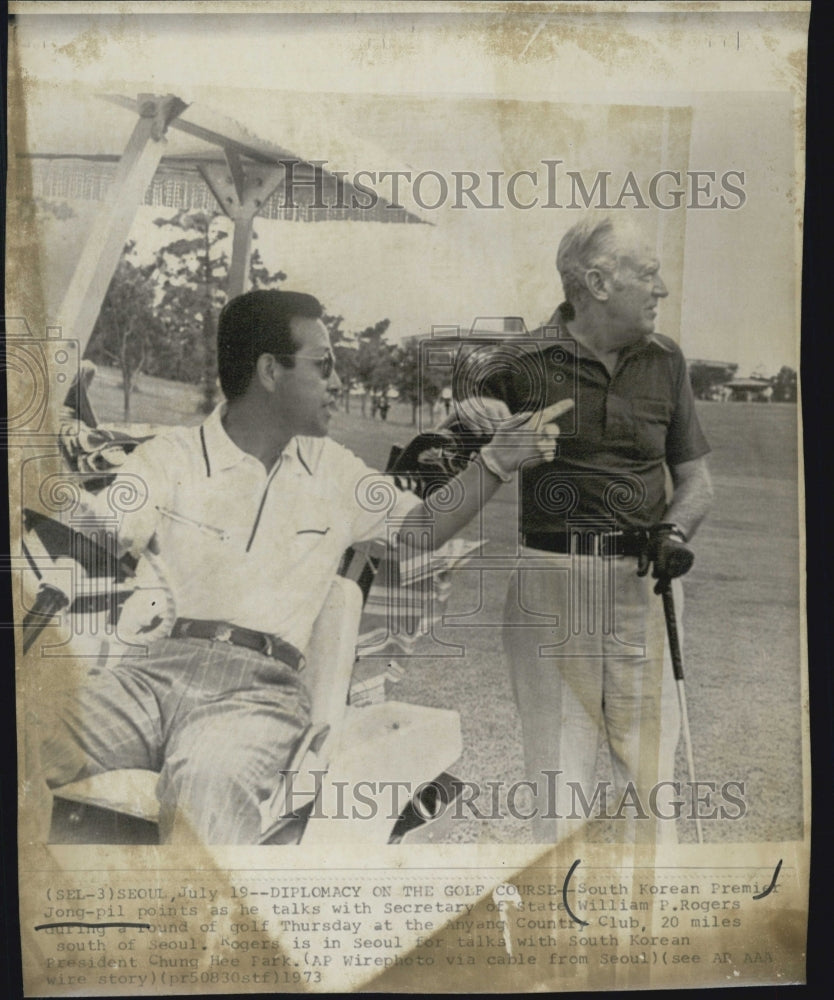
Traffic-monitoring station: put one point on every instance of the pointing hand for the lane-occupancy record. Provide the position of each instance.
(530, 438)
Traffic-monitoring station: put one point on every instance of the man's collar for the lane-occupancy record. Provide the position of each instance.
(658, 341)
(307, 453)
(223, 453)
(558, 325)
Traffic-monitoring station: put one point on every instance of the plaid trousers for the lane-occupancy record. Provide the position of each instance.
(216, 721)
(586, 647)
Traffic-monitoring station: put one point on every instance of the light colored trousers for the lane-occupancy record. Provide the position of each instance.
(586, 647)
(217, 721)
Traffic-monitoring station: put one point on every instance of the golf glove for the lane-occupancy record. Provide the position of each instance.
(666, 550)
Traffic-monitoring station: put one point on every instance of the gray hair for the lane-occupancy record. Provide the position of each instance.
(591, 243)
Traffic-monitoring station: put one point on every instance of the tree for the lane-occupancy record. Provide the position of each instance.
(345, 349)
(181, 352)
(707, 376)
(193, 270)
(375, 366)
(259, 275)
(364, 358)
(408, 376)
(785, 385)
(416, 382)
(183, 291)
(126, 331)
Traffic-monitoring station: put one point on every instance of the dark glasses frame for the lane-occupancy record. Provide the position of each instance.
(326, 363)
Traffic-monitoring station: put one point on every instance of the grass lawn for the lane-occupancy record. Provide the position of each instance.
(742, 623)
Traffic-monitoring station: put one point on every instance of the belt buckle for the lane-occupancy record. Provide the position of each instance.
(223, 633)
(268, 645)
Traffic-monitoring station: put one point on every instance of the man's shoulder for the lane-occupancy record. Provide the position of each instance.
(326, 456)
(171, 448)
(664, 343)
(177, 438)
(321, 449)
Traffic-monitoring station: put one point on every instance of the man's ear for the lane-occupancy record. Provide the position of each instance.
(268, 372)
(596, 284)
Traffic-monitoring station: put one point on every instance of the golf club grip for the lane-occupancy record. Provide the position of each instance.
(672, 630)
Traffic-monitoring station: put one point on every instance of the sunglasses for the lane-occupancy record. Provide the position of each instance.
(324, 362)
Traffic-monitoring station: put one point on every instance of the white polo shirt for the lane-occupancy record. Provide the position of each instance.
(239, 544)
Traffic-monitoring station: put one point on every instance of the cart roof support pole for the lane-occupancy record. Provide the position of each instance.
(100, 256)
(241, 191)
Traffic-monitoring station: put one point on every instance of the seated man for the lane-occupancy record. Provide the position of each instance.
(251, 513)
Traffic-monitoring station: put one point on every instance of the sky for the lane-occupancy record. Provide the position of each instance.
(434, 90)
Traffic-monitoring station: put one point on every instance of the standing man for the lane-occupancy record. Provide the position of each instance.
(584, 632)
(250, 514)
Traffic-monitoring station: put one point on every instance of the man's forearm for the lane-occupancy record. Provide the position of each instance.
(474, 487)
(531, 439)
(692, 497)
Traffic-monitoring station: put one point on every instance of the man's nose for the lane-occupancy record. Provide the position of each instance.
(334, 383)
(660, 289)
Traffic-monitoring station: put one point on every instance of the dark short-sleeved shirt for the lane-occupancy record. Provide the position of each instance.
(625, 427)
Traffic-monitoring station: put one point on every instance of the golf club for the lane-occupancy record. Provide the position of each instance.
(677, 666)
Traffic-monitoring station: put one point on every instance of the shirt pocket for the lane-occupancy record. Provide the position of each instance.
(309, 540)
(652, 418)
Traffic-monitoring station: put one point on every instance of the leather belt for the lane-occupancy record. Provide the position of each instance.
(606, 544)
(261, 642)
